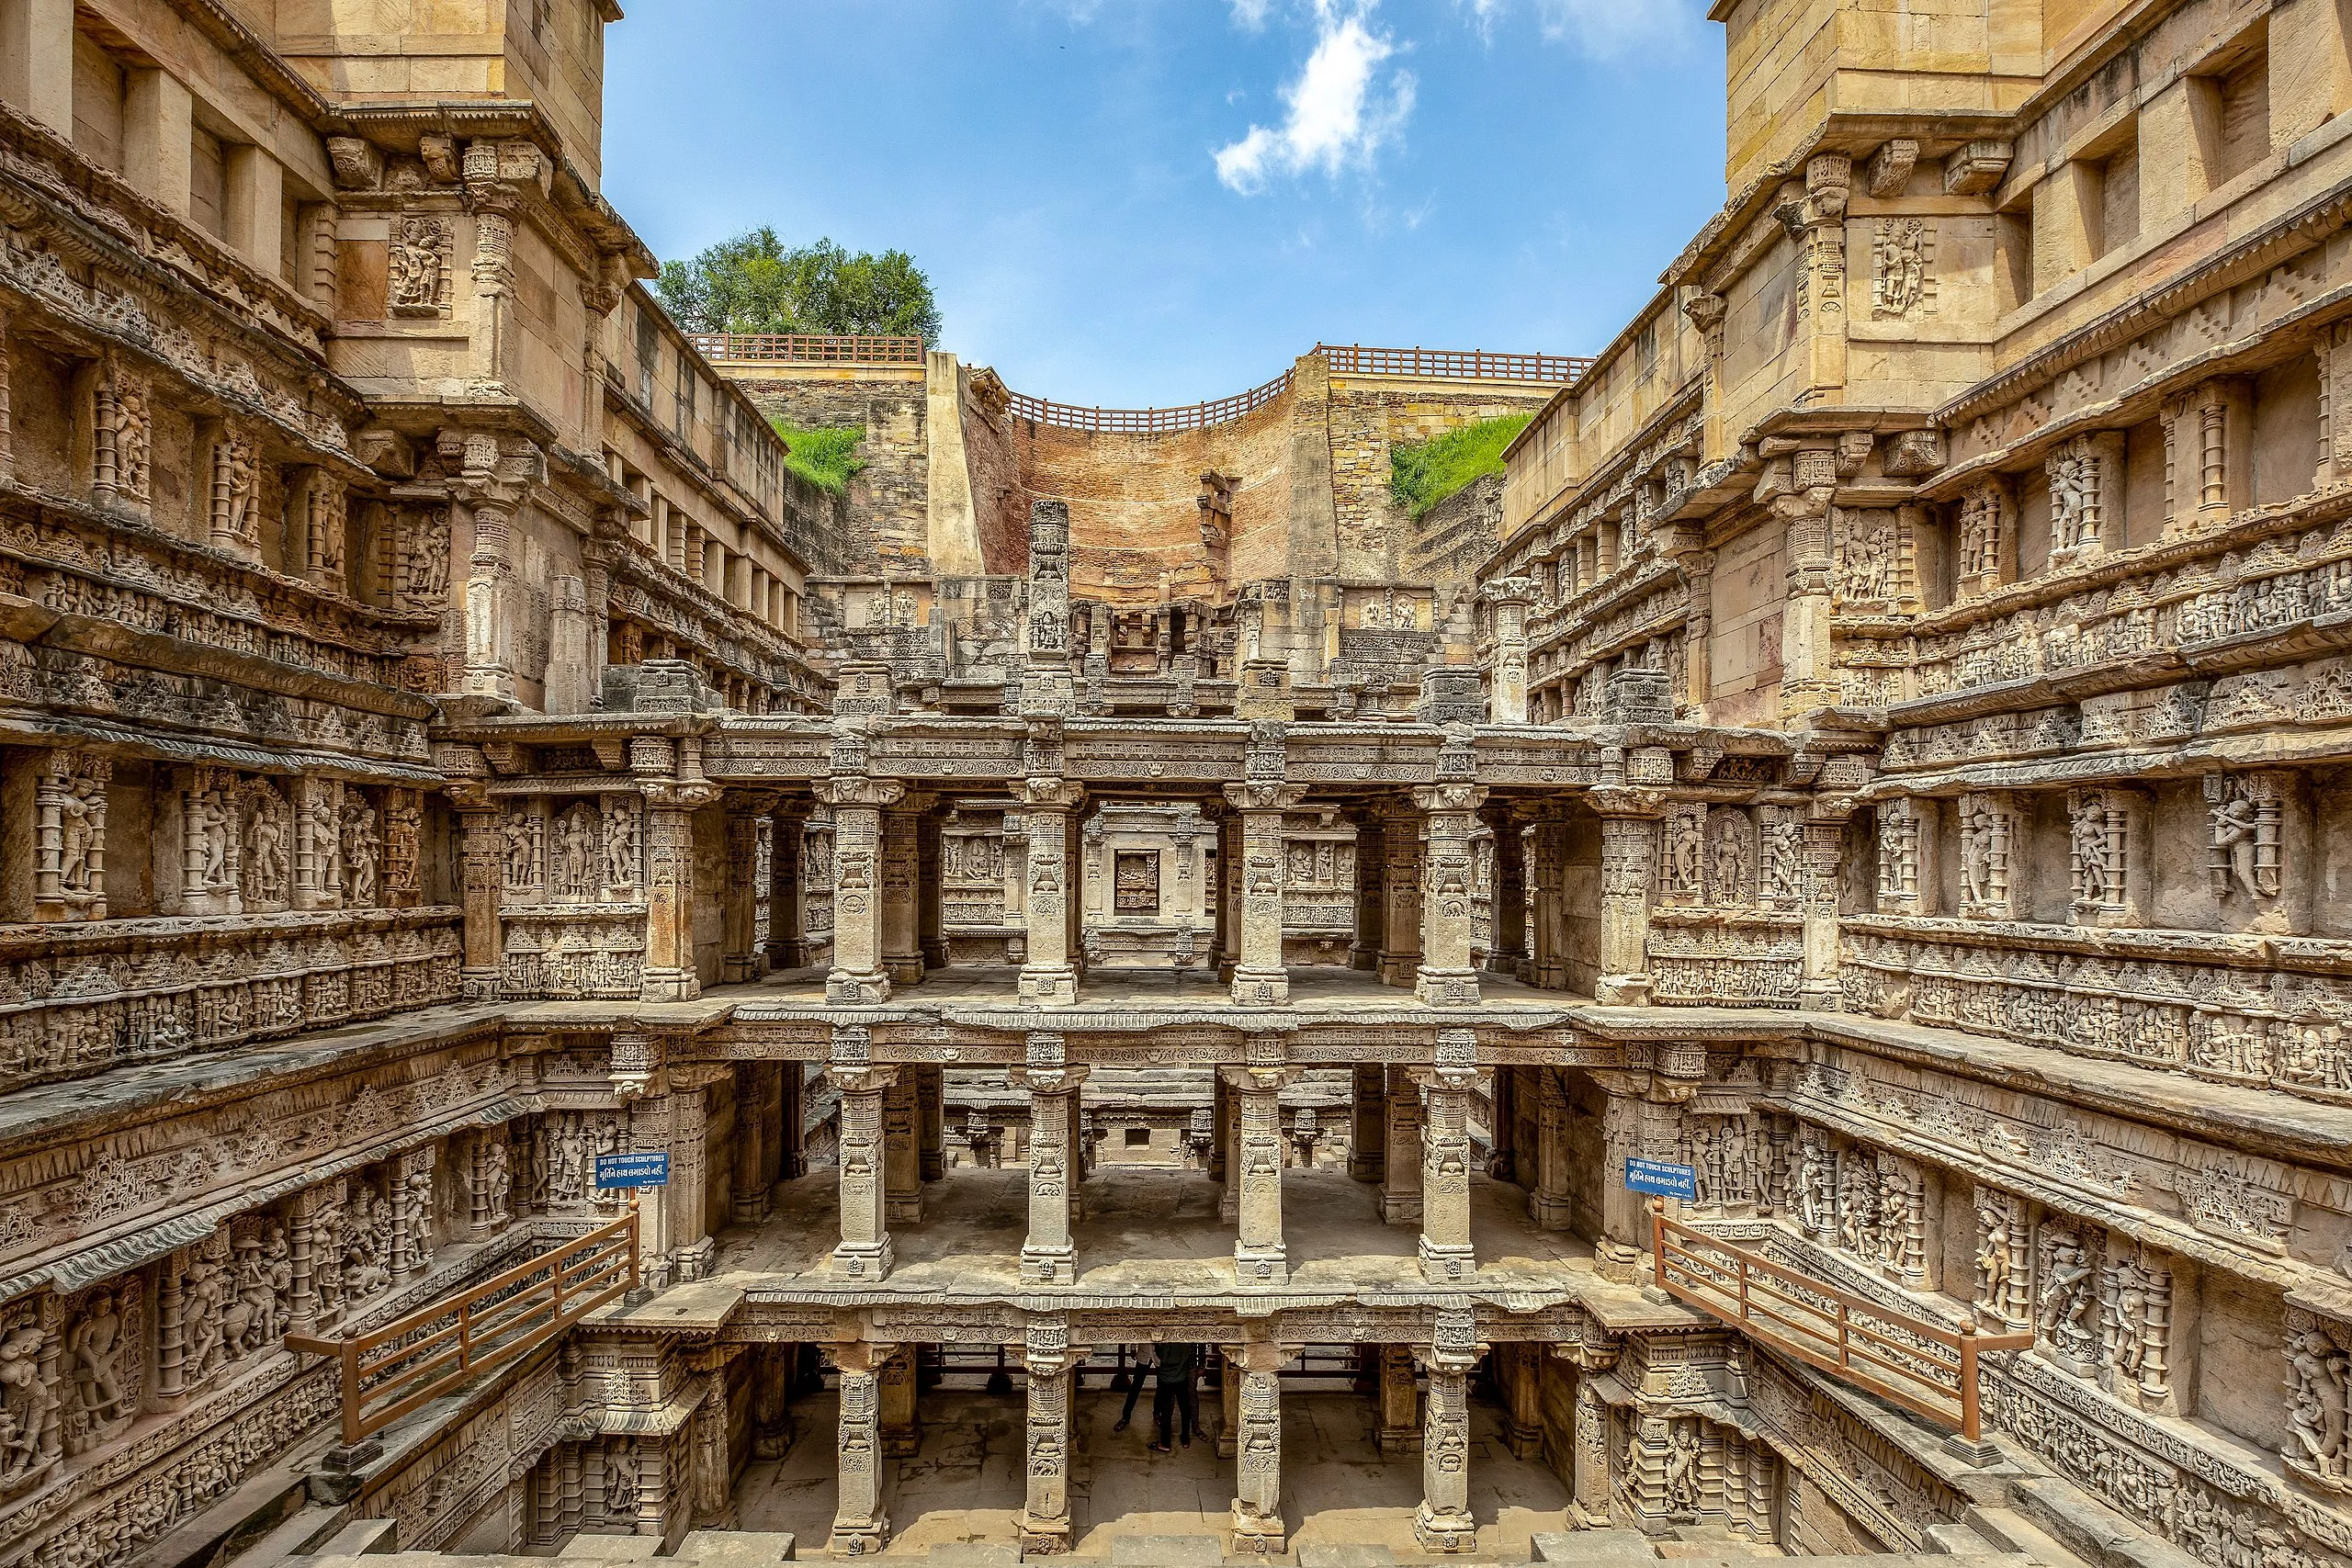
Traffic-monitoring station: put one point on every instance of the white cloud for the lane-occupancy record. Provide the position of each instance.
(1609, 29)
(1339, 112)
(1250, 16)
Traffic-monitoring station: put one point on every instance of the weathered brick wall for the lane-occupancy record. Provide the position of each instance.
(888, 514)
(1000, 492)
(1366, 419)
(1444, 546)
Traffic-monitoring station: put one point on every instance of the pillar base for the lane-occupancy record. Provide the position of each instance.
(1442, 1263)
(1550, 975)
(860, 1538)
(1398, 1440)
(1821, 995)
(1049, 986)
(1446, 987)
(737, 968)
(695, 1262)
(903, 970)
(773, 1442)
(853, 987)
(1399, 969)
(903, 1211)
(668, 986)
(1524, 1442)
(1367, 1167)
(1259, 1267)
(1400, 1210)
(751, 1208)
(1621, 991)
(1445, 1531)
(1048, 1266)
(1255, 1536)
(1550, 1211)
(866, 1260)
(1042, 1538)
(901, 1442)
(1617, 1261)
(1261, 987)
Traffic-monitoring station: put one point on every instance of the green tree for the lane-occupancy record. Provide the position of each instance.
(754, 283)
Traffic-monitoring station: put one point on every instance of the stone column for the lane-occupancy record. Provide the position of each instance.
(1048, 975)
(1507, 687)
(1445, 976)
(1446, 1248)
(692, 1248)
(901, 1156)
(1519, 1369)
(860, 1527)
(1372, 906)
(1228, 1401)
(1368, 1140)
(857, 974)
(1628, 855)
(1590, 1483)
(771, 1397)
(1399, 1429)
(929, 912)
(1820, 990)
(1547, 1200)
(787, 941)
(1400, 952)
(1400, 1189)
(755, 1140)
(1546, 903)
(864, 1250)
(740, 897)
(1443, 1523)
(1259, 977)
(1220, 1138)
(901, 871)
(1507, 912)
(489, 587)
(792, 1157)
(1257, 1457)
(670, 975)
(1045, 1521)
(898, 1422)
(931, 1128)
(1642, 1120)
(484, 876)
(1258, 1258)
(1047, 1256)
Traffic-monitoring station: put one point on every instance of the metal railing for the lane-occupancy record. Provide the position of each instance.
(410, 1362)
(806, 348)
(1924, 1367)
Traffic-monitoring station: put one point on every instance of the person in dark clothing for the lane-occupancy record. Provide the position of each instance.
(1175, 1397)
(1139, 1365)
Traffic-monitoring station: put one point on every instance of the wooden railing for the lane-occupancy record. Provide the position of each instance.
(1924, 1367)
(806, 348)
(408, 1363)
(1450, 364)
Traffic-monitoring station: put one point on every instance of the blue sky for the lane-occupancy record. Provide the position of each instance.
(1141, 202)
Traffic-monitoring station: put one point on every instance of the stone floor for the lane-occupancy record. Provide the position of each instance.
(965, 1484)
(1147, 1231)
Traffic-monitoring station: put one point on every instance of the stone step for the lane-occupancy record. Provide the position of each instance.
(2006, 1529)
(1318, 1554)
(1167, 1551)
(975, 1554)
(2090, 1529)
(1594, 1548)
(743, 1549)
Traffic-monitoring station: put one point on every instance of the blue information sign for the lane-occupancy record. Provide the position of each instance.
(633, 1171)
(1662, 1180)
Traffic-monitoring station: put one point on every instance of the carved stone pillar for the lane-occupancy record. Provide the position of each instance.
(483, 877)
(1443, 1523)
(2110, 836)
(1049, 975)
(1400, 952)
(897, 1395)
(1520, 1367)
(864, 1250)
(901, 871)
(787, 920)
(1548, 1203)
(1259, 977)
(1447, 1255)
(1368, 1142)
(1642, 1120)
(1547, 906)
(756, 1115)
(1798, 489)
(1506, 691)
(1258, 1256)
(1398, 1425)
(901, 1155)
(1372, 899)
(670, 973)
(860, 1527)
(858, 974)
(1818, 220)
(1823, 846)
(69, 830)
(1590, 1479)
(1258, 1458)
(1445, 976)
(740, 896)
(691, 1245)
(1045, 1521)
(931, 1126)
(1400, 1189)
(490, 595)
(1047, 1256)
(1628, 864)
(1506, 902)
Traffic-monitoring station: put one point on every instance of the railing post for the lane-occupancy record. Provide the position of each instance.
(1969, 1417)
(351, 1433)
(1657, 1240)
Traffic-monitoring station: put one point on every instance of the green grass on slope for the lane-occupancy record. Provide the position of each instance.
(1421, 476)
(826, 457)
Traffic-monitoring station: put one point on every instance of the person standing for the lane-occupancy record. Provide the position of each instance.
(1140, 1364)
(1174, 1401)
